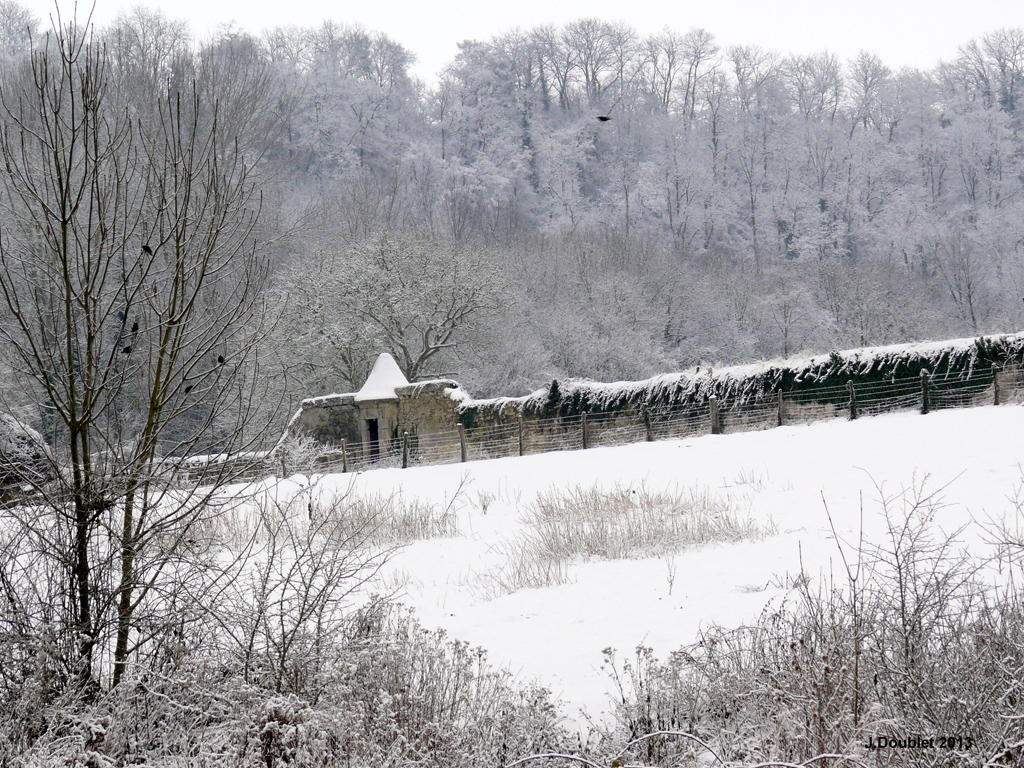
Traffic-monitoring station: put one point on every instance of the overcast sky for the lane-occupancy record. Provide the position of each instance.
(914, 33)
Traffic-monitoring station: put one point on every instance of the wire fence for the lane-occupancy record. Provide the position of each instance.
(525, 435)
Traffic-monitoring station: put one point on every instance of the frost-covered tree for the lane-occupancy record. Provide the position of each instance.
(417, 298)
(17, 25)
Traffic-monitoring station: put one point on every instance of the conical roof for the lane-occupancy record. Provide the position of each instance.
(381, 383)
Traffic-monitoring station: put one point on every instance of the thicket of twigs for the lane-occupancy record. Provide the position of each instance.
(910, 643)
(381, 690)
(271, 654)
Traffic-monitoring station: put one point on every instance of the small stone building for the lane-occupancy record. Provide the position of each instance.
(371, 422)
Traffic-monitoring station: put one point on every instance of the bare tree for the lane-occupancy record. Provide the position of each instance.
(422, 295)
(815, 83)
(130, 291)
(965, 277)
(591, 40)
(663, 60)
(148, 51)
(417, 298)
(699, 50)
(556, 61)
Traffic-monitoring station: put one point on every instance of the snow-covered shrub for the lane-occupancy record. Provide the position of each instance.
(912, 645)
(631, 521)
(421, 698)
(393, 693)
(361, 520)
(297, 454)
(293, 584)
(24, 456)
(394, 519)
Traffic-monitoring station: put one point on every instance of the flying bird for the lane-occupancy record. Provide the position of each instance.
(147, 250)
(604, 118)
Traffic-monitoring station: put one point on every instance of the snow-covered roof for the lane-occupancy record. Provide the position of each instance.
(328, 400)
(382, 381)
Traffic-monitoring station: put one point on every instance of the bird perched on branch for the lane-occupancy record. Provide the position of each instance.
(147, 250)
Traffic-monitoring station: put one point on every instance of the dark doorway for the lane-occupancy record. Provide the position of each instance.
(371, 426)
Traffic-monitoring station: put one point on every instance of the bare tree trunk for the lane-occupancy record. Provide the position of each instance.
(132, 293)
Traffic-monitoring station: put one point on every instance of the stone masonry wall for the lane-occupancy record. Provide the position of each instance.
(330, 419)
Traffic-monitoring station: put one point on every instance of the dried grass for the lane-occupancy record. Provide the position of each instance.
(622, 523)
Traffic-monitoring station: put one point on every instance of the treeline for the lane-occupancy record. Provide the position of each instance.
(642, 204)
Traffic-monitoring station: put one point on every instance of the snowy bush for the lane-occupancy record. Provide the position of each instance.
(371, 520)
(913, 644)
(297, 454)
(394, 519)
(394, 694)
(636, 522)
(24, 456)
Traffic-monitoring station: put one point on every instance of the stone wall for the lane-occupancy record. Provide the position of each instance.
(427, 407)
(426, 410)
(542, 429)
(431, 413)
(330, 419)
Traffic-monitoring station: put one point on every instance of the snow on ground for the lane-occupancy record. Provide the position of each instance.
(556, 634)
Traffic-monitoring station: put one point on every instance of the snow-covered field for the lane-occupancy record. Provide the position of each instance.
(971, 458)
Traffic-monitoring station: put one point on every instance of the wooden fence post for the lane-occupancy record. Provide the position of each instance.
(925, 395)
(583, 428)
(716, 419)
(344, 456)
(647, 423)
(520, 425)
(780, 419)
(405, 450)
(462, 441)
(853, 400)
(995, 384)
